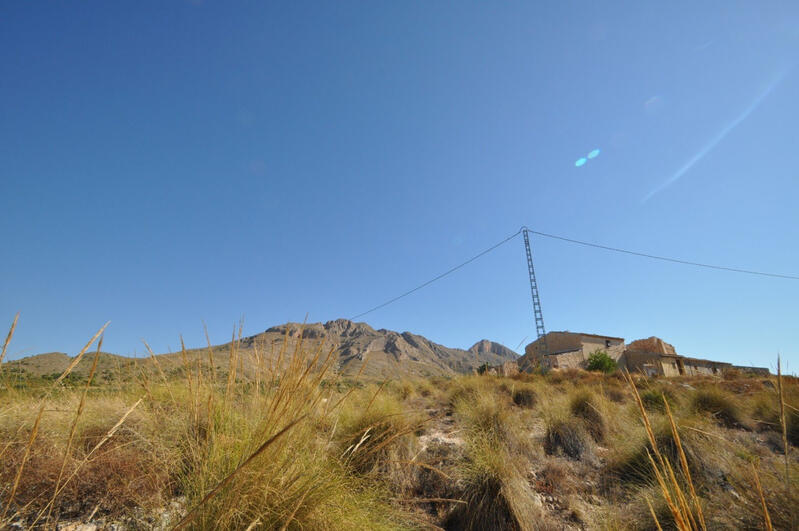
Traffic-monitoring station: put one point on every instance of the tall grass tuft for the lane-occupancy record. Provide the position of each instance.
(497, 494)
(584, 405)
(720, 405)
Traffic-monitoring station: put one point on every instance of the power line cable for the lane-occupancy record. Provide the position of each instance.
(439, 277)
(578, 242)
(663, 258)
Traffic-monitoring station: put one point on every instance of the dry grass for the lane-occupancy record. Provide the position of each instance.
(567, 437)
(584, 405)
(497, 493)
(720, 404)
(257, 439)
(235, 453)
(524, 396)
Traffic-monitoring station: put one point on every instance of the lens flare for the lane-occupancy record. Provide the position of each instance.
(593, 154)
(580, 161)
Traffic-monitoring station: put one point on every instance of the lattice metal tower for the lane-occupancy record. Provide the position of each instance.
(539, 316)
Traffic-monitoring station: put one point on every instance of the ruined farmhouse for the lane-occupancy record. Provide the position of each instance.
(651, 356)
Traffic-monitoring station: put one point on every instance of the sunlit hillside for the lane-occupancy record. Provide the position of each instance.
(297, 446)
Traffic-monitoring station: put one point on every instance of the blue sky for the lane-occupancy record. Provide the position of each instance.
(165, 163)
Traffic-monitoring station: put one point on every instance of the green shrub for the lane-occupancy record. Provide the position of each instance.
(600, 361)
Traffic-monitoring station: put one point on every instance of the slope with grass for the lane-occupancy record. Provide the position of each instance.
(296, 445)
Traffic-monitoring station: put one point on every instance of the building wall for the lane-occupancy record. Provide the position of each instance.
(574, 359)
(646, 362)
(704, 367)
(509, 368)
(760, 371)
(669, 366)
(697, 370)
(556, 341)
(592, 344)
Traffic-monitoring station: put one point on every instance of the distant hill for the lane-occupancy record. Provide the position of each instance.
(385, 353)
(52, 364)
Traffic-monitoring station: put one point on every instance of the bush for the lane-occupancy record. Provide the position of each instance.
(600, 361)
(482, 369)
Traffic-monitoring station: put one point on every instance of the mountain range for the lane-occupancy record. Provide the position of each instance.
(357, 349)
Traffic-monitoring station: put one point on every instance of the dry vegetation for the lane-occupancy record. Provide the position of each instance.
(296, 447)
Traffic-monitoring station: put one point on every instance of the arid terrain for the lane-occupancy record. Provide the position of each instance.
(290, 429)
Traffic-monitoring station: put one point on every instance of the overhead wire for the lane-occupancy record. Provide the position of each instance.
(578, 242)
(439, 277)
(664, 258)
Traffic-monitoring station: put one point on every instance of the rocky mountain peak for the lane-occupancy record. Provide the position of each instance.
(485, 346)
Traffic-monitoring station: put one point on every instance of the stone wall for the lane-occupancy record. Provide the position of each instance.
(613, 347)
(509, 368)
(642, 362)
(695, 367)
(574, 359)
(759, 371)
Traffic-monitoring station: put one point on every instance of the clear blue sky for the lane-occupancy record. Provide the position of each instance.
(165, 163)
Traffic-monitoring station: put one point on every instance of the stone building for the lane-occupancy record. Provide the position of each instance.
(568, 349)
(651, 363)
(651, 356)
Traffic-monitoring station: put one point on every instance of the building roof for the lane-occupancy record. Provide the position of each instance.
(651, 353)
(588, 335)
(564, 351)
(686, 358)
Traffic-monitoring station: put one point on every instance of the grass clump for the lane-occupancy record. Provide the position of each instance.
(524, 397)
(377, 438)
(567, 437)
(487, 415)
(584, 406)
(497, 495)
(616, 394)
(653, 399)
(720, 405)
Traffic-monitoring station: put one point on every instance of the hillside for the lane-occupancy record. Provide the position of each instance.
(52, 364)
(357, 347)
